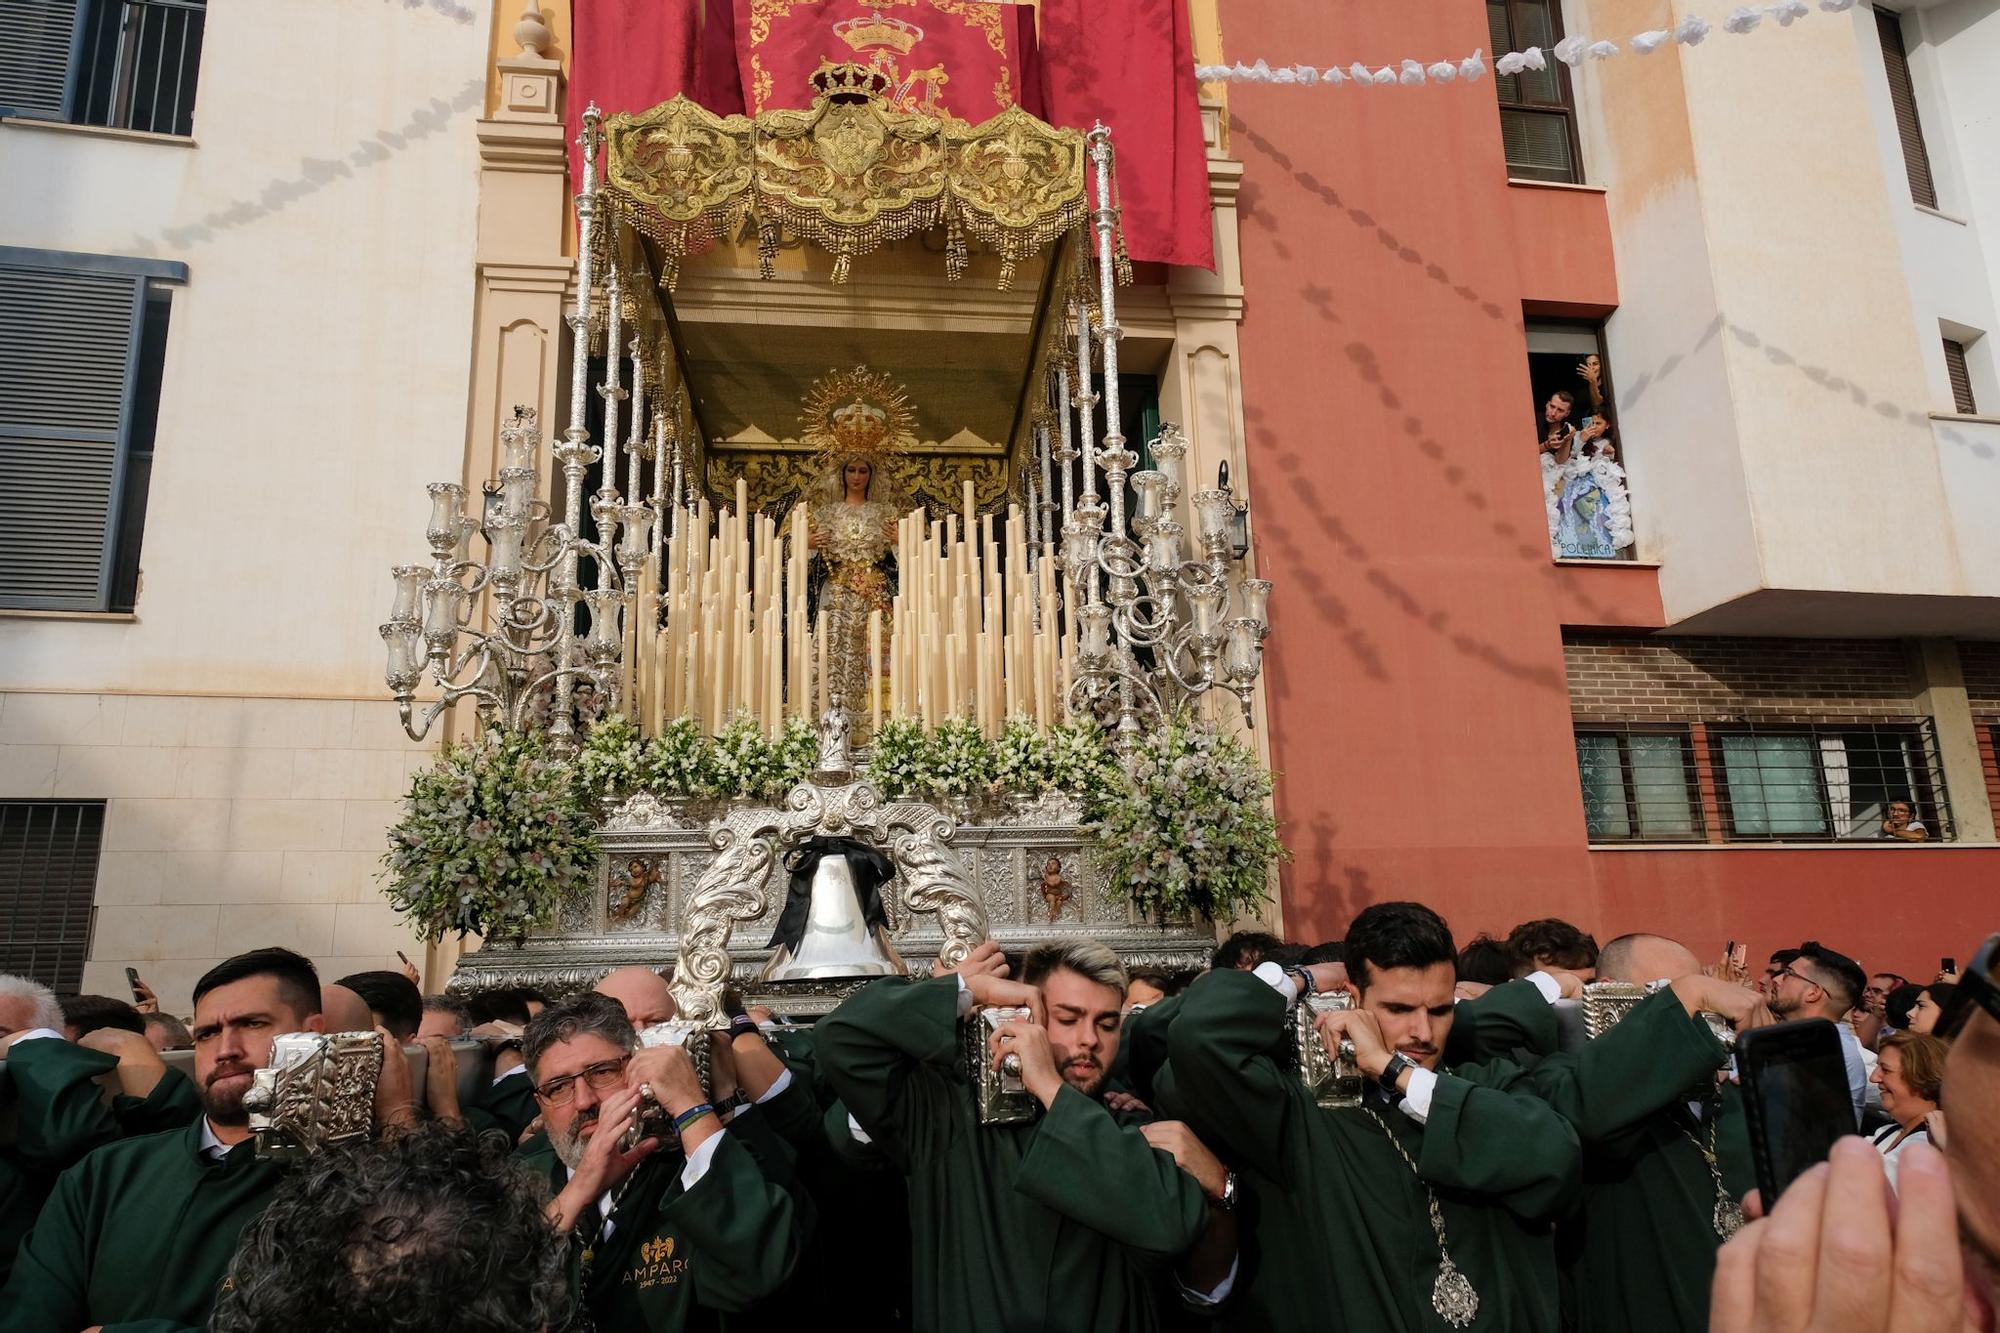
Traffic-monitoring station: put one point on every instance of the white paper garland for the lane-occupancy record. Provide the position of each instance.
(1572, 51)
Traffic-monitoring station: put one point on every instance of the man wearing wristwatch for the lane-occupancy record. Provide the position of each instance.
(1426, 1206)
(664, 1236)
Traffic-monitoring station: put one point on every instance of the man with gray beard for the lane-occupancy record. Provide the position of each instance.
(663, 1236)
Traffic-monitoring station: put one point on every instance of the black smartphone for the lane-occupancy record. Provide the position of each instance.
(1948, 965)
(1795, 1099)
(132, 980)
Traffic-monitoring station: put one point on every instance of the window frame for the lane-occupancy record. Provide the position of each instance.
(119, 107)
(143, 273)
(1622, 732)
(1932, 801)
(1565, 90)
(1887, 22)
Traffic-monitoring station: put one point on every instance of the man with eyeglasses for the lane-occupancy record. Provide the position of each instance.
(1841, 1254)
(1820, 983)
(664, 1235)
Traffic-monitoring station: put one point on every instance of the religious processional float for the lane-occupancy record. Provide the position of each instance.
(784, 714)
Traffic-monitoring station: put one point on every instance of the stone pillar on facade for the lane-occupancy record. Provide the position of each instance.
(1940, 682)
(1201, 388)
(523, 276)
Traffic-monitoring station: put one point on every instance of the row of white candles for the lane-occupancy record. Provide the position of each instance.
(969, 634)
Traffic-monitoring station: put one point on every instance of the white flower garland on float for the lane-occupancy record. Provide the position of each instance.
(1571, 51)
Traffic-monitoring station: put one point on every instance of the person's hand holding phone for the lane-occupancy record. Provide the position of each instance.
(143, 998)
(1840, 1254)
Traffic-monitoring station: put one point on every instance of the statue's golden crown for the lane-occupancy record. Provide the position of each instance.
(858, 413)
(877, 32)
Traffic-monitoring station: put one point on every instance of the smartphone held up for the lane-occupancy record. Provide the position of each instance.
(1796, 1100)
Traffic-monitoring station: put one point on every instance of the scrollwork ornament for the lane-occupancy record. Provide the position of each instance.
(934, 881)
(732, 890)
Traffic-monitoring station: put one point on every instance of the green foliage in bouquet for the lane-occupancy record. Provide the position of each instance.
(742, 763)
(796, 754)
(676, 762)
(611, 764)
(491, 839)
(1186, 826)
(958, 761)
(1071, 756)
(898, 758)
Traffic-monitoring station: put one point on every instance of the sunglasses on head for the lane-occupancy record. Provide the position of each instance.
(1978, 986)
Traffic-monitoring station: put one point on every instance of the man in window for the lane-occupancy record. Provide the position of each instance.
(143, 1229)
(1067, 1223)
(1428, 1201)
(1900, 822)
(664, 1238)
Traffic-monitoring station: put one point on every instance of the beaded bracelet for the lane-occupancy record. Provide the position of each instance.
(689, 1116)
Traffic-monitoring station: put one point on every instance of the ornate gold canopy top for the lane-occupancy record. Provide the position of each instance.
(848, 174)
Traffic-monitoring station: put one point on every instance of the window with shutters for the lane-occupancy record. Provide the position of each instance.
(82, 341)
(127, 64)
(48, 878)
(1537, 116)
(1903, 98)
(1961, 378)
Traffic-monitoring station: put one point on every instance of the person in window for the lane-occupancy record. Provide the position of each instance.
(1900, 822)
(1590, 516)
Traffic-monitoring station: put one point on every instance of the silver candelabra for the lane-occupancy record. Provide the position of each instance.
(529, 654)
(1155, 631)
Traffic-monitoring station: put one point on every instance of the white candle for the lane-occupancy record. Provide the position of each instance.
(875, 670)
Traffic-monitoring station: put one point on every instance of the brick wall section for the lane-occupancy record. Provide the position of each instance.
(1620, 678)
(1981, 664)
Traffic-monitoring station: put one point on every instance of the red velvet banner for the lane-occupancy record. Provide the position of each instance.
(959, 59)
(1130, 64)
(632, 55)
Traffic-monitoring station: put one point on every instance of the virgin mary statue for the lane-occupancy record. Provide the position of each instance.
(858, 421)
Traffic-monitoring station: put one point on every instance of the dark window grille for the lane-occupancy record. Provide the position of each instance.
(1961, 378)
(125, 64)
(1639, 784)
(48, 878)
(1537, 113)
(1827, 783)
(1903, 97)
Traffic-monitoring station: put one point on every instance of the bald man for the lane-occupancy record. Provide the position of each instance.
(643, 993)
(1657, 1130)
(344, 1011)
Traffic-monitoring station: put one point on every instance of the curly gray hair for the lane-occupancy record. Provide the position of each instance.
(433, 1228)
(42, 1009)
(586, 1012)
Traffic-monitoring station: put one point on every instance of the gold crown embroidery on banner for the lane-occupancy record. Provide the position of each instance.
(877, 32)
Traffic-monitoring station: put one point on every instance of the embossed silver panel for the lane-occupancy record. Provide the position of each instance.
(1001, 847)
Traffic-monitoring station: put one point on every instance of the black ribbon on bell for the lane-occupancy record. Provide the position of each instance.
(871, 870)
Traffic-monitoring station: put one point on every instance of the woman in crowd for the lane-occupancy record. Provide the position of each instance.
(1910, 1073)
(1935, 999)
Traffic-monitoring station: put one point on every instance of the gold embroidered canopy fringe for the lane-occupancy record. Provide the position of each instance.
(848, 174)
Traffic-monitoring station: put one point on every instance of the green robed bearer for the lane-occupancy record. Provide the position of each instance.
(1428, 1206)
(662, 1238)
(1071, 1222)
(138, 1236)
